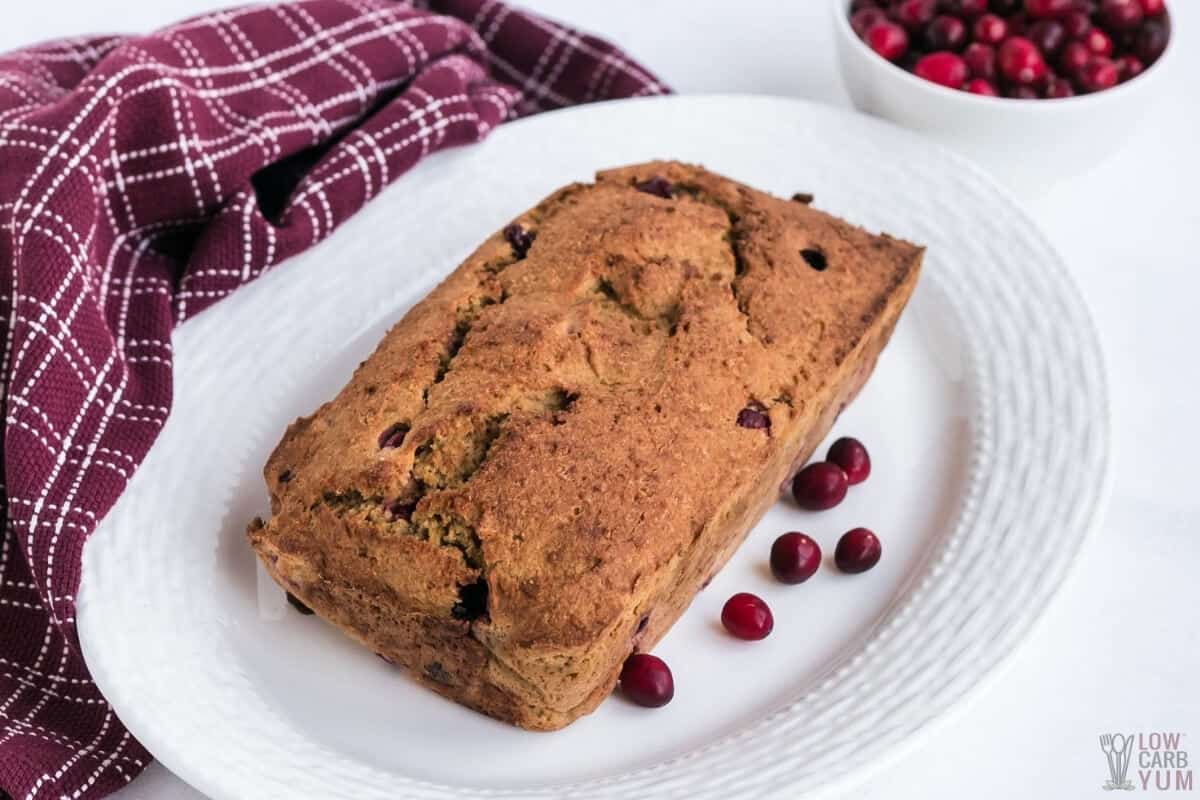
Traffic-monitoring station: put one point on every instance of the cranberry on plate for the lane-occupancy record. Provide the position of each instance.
(746, 616)
(819, 486)
(795, 557)
(647, 680)
(857, 551)
(850, 454)
(1028, 49)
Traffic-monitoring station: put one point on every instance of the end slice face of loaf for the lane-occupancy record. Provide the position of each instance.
(542, 462)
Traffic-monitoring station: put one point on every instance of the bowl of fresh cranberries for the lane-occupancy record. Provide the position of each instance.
(1035, 89)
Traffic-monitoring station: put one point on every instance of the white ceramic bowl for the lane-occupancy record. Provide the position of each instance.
(1027, 143)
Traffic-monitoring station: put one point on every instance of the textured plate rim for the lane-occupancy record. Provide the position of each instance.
(760, 769)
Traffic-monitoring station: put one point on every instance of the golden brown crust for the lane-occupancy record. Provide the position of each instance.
(562, 466)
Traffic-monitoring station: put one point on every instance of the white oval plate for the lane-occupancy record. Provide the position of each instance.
(987, 421)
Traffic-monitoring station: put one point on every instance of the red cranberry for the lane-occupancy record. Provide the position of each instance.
(946, 33)
(990, 29)
(753, 417)
(859, 5)
(1151, 42)
(647, 681)
(1019, 61)
(981, 86)
(657, 186)
(888, 40)
(1048, 9)
(1059, 88)
(1018, 24)
(857, 551)
(1121, 15)
(965, 8)
(1021, 92)
(915, 14)
(393, 435)
(1097, 42)
(746, 616)
(981, 61)
(1043, 83)
(519, 239)
(819, 486)
(1130, 67)
(864, 20)
(1073, 58)
(1098, 74)
(849, 454)
(1004, 7)
(795, 557)
(943, 68)
(1154, 8)
(1076, 24)
(1048, 36)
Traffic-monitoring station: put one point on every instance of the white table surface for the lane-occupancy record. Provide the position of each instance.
(1120, 648)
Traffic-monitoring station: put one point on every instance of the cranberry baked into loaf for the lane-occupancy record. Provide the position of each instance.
(549, 455)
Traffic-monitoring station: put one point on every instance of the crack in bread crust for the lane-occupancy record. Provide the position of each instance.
(543, 462)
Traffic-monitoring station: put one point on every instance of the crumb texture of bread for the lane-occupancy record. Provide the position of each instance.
(542, 462)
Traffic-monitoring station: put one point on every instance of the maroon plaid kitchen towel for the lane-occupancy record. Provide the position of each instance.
(143, 179)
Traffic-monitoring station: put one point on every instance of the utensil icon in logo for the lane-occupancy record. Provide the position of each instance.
(1117, 749)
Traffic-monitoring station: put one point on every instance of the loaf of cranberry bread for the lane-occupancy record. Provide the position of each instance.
(549, 455)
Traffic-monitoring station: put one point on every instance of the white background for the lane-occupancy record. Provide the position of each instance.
(1120, 649)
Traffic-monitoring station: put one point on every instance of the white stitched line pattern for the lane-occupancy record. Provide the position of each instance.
(43, 733)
